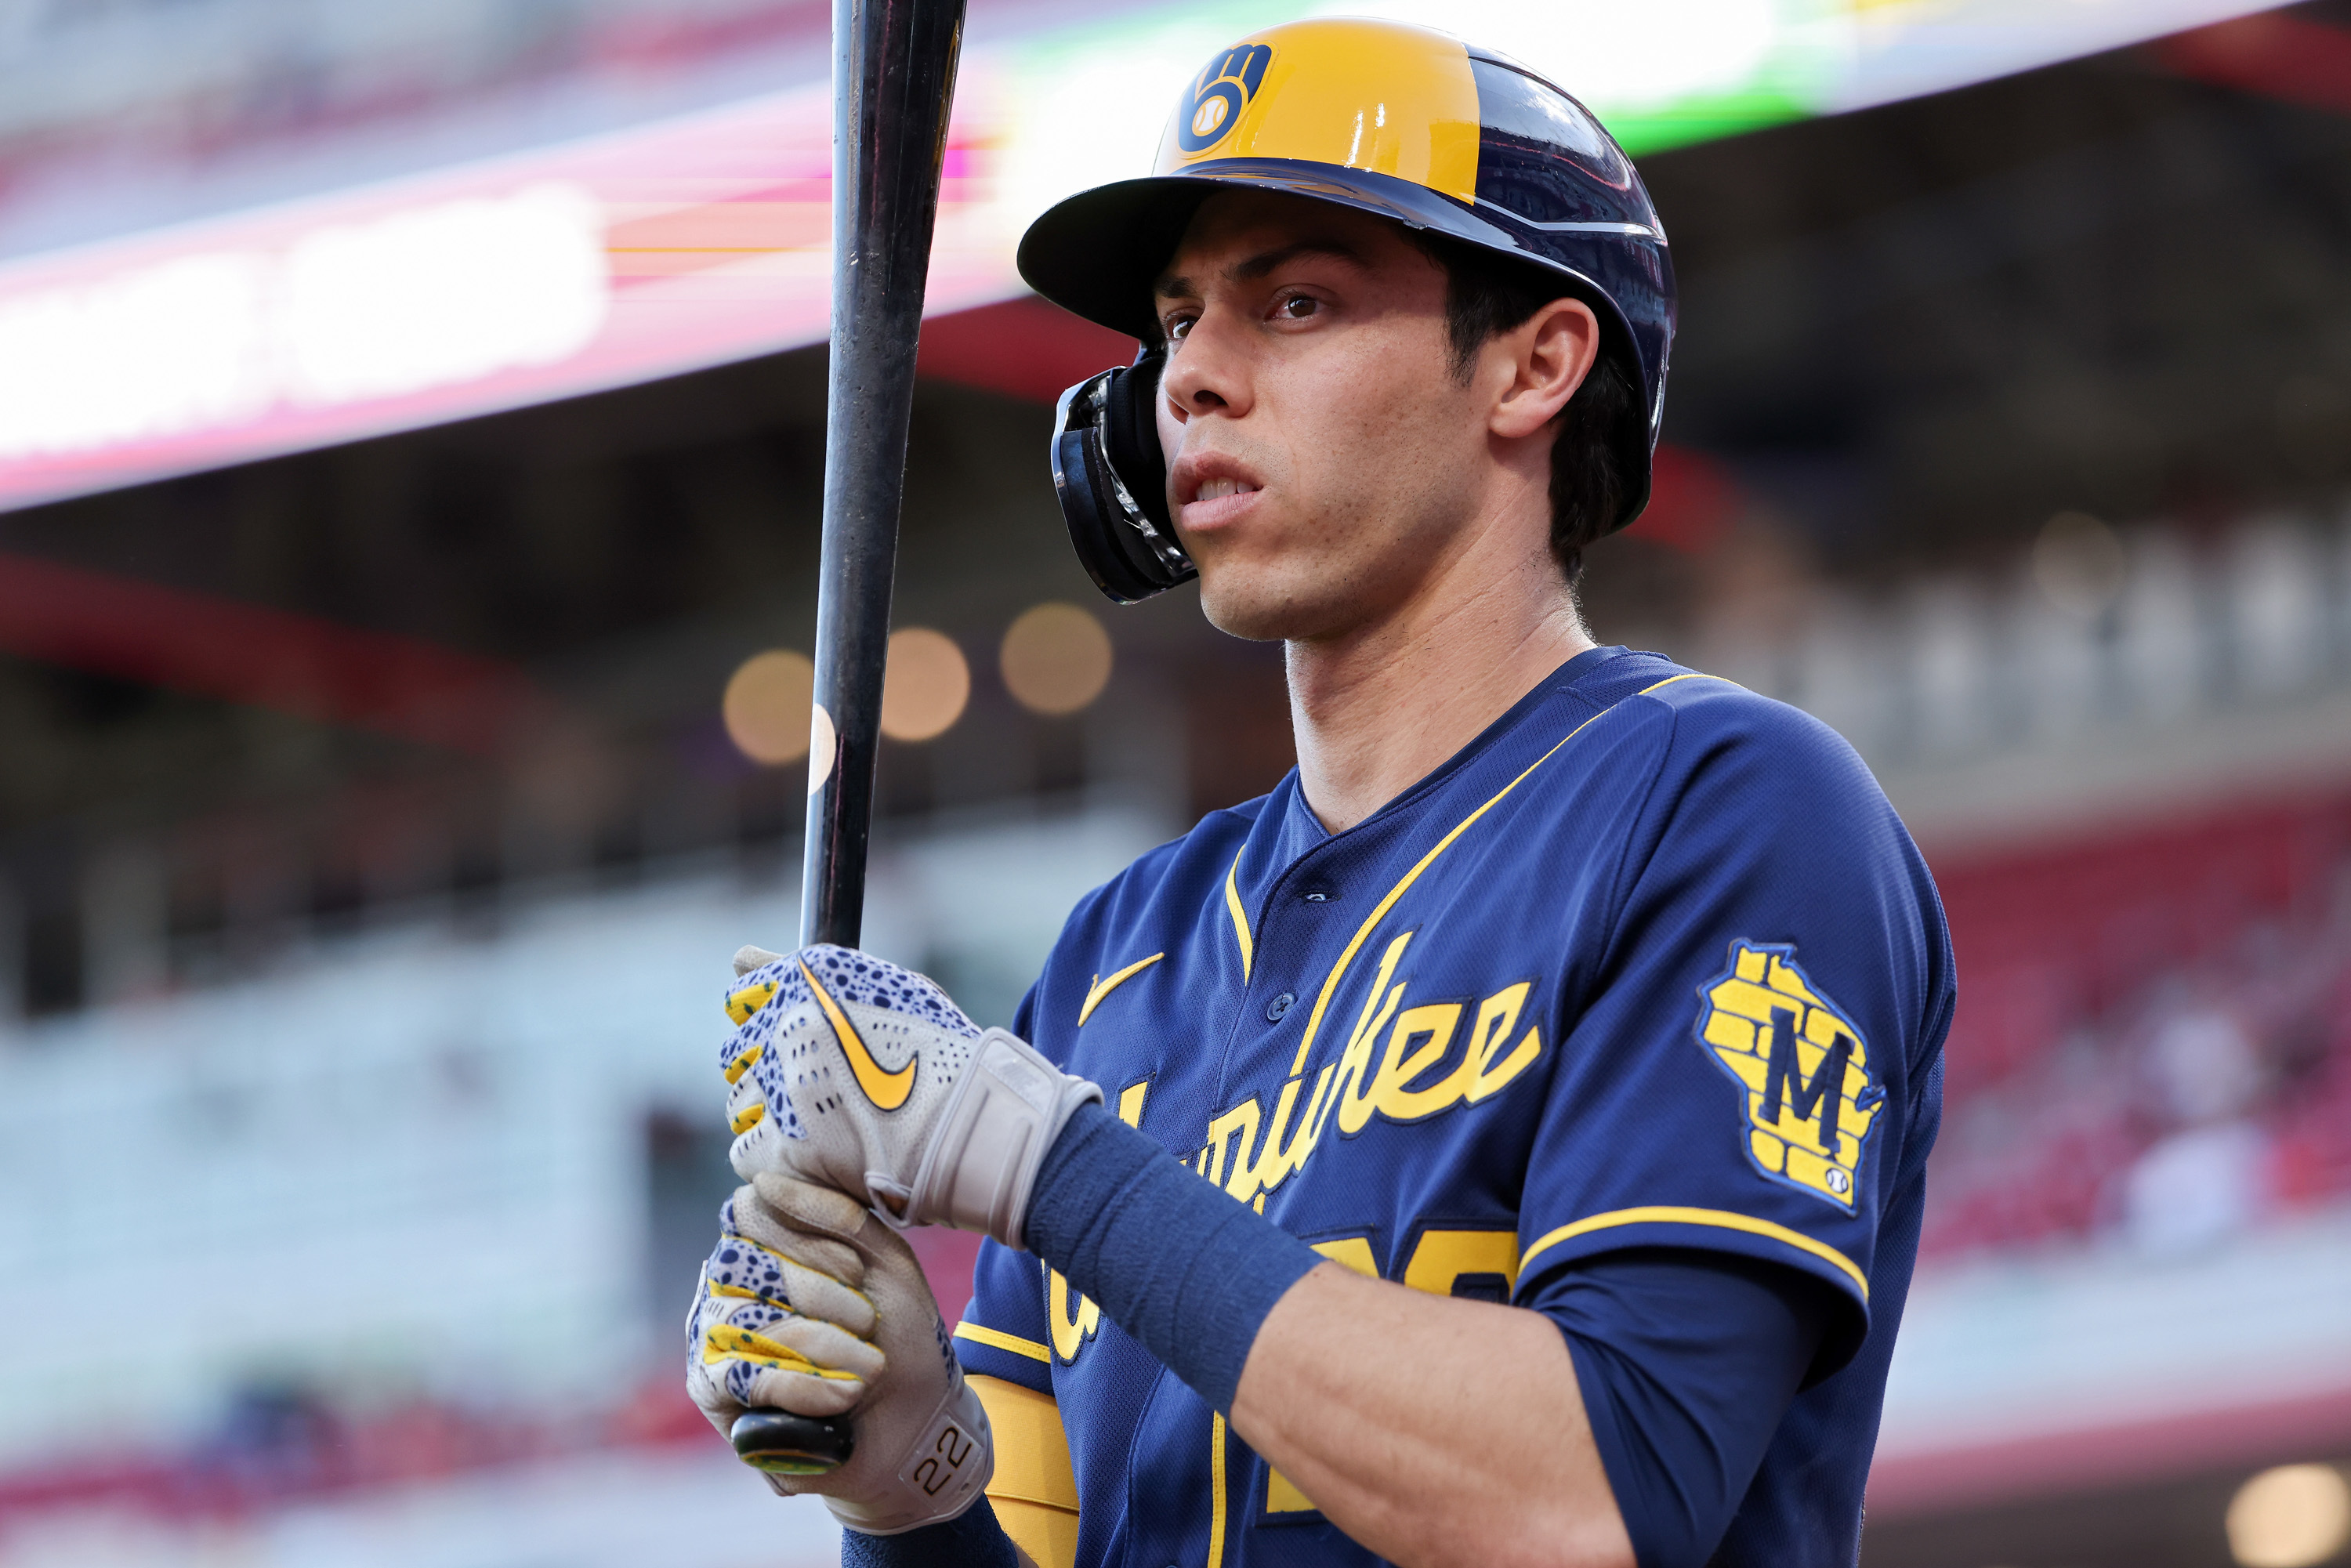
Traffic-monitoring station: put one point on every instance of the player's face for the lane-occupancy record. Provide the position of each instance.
(1321, 455)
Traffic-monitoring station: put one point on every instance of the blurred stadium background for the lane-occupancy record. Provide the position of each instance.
(411, 429)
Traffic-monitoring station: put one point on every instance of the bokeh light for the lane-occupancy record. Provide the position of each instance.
(767, 705)
(926, 685)
(1056, 658)
(2296, 1516)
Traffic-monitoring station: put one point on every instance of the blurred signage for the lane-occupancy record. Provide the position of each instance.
(659, 249)
(689, 242)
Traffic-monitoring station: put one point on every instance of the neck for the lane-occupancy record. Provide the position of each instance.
(1378, 707)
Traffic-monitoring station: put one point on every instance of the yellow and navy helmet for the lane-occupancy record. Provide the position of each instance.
(1400, 122)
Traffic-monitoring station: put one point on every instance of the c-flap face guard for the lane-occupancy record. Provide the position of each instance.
(1111, 481)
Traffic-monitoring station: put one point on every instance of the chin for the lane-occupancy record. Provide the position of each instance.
(1260, 607)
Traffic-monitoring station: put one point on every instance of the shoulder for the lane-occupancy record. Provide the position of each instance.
(1716, 730)
(1717, 782)
(1653, 731)
(1759, 812)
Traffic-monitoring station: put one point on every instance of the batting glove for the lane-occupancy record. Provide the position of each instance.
(812, 1305)
(778, 1319)
(863, 1076)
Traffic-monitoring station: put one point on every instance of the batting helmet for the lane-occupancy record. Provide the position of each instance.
(1399, 121)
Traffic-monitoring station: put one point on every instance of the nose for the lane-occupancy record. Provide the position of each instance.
(1207, 369)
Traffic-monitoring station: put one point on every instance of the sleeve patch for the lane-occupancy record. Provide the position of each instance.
(1810, 1096)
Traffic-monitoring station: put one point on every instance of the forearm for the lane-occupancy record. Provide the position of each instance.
(1170, 1259)
(1432, 1430)
(1619, 1415)
(1386, 1407)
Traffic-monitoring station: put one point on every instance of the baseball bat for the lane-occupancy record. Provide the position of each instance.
(893, 70)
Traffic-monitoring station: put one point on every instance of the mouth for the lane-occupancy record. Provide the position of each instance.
(1217, 500)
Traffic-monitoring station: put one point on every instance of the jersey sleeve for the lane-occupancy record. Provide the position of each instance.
(1003, 1331)
(1735, 1071)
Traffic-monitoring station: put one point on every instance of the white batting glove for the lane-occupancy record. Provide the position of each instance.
(810, 1304)
(864, 1077)
(778, 1321)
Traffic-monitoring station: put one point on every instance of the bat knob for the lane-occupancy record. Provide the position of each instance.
(784, 1444)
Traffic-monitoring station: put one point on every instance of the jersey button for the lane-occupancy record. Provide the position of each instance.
(1317, 897)
(1278, 1006)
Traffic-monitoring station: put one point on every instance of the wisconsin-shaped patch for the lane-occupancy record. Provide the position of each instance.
(1809, 1092)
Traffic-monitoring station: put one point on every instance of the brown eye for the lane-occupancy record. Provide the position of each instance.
(1179, 329)
(1298, 307)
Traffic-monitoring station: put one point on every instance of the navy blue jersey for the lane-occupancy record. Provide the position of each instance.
(1650, 962)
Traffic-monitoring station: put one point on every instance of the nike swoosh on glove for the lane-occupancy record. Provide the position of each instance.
(864, 1077)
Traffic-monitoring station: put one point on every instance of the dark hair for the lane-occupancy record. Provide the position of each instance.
(1486, 293)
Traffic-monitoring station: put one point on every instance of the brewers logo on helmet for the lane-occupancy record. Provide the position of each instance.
(1399, 121)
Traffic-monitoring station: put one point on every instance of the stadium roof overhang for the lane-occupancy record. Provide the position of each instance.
(699, 240)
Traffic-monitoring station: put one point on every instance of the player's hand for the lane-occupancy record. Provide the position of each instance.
(778, 1319)
(810, 1305)
(863, 1076)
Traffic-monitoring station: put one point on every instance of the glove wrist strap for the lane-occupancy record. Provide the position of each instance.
(981, 1163)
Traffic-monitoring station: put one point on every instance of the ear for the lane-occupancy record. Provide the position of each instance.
(1546, 358)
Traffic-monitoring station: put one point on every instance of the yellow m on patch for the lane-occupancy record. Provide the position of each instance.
(1811, 1095)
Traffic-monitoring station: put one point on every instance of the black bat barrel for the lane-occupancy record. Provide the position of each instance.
(893, 78)
(894, 69)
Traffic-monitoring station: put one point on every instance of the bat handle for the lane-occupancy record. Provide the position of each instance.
(784, 1444)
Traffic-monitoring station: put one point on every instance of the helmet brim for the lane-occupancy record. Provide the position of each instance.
(1098, 254)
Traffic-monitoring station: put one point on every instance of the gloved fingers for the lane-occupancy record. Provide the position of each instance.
(751, 1349)
(759, 1112)
(748, 958)
(753, 989)
(891, 1276)
(807, 1268)
(802, 1394)
(725, 1388)
(746, 1106)
(801, 1293)
(705, 1386)
(811, 1209)
(757, 1365)
(812, 1206)
(754, 1329)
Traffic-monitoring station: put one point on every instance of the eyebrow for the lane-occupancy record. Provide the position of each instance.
(1264, 262)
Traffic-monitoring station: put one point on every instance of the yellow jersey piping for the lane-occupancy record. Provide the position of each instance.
(1675, 1214)
(1218, 1507)
(979, 1333)
(1339, 970)
(1240, 919)
(1685, 676)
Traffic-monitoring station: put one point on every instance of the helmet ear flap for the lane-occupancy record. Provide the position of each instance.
(1111, 478)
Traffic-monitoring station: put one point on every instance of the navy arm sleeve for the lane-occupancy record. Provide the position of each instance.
(1686, 1360)
(973, 1539)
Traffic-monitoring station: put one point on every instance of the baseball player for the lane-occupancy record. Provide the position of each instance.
(1504, 1142)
